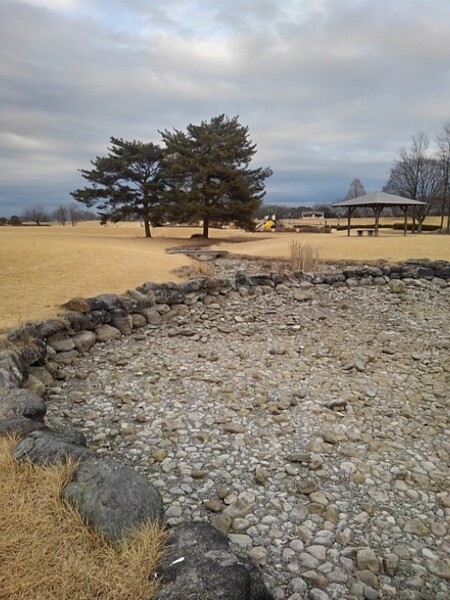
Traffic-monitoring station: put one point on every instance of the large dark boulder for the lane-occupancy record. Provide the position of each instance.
(168, 295)
(52, 447)
(196, 284)
(51, 326)
(199, 564)
(260, 279)
(98, 317)
(102, 302)
(112, 497)
(78, 321)
(19, 426)
(443, 273)
(135, 301)
(16, 402)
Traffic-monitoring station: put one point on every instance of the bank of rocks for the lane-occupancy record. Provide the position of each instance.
(41, 349)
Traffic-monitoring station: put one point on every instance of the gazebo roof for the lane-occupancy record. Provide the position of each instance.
(379, 199)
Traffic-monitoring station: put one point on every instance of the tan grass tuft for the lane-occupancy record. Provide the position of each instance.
(201, 267)
(303, 256)
(46, 551)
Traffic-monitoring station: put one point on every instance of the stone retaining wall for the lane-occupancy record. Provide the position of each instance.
(41, 349)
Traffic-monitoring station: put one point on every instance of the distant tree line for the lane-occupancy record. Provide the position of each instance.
(203, 174)
(72, 214)
(39, 215)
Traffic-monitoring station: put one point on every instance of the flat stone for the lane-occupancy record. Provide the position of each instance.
(367, 559)
(84, 340)
(302, 295)
(440, 568)
(105, 333)
(417, 527)
(306, 486)
(34, 385)
(238, 509)
(61, 342)
(222, 523)
(234, 428)
(390, 563)
(240, 539)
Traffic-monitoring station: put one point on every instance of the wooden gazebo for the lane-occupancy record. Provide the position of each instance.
(377, 202)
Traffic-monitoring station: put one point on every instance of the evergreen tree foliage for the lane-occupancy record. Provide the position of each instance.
(208, 176)
(125, 182)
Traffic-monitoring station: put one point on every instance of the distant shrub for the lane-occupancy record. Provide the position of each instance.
(3, 221)
(425, 227)
(303, 257)
(15, 221)
(364, 226)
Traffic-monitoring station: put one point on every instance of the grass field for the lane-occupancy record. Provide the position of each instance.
(42, 267)
(46, 550)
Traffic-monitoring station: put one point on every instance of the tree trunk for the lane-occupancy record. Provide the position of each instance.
(441, 226)
(146, 218)
(446, 207)
(205, 227)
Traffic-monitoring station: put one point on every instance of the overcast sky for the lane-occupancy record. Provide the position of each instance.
(330, 89)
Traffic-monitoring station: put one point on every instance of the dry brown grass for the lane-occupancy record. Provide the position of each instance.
(43, 267)
(336, 246)
(47, 553)
(303, 256)
(201, 267)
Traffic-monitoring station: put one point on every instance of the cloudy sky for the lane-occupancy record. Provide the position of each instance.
(330, 89)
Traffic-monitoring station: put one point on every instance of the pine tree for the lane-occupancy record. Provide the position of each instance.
(125, 183)
(208, 176)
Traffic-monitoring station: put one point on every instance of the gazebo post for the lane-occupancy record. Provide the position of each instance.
(378, 209)
(349, 218)
(405, 222)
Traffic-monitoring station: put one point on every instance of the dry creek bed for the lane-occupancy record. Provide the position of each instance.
(315, 434)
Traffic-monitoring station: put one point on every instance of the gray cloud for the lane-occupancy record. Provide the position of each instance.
(330, 89)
